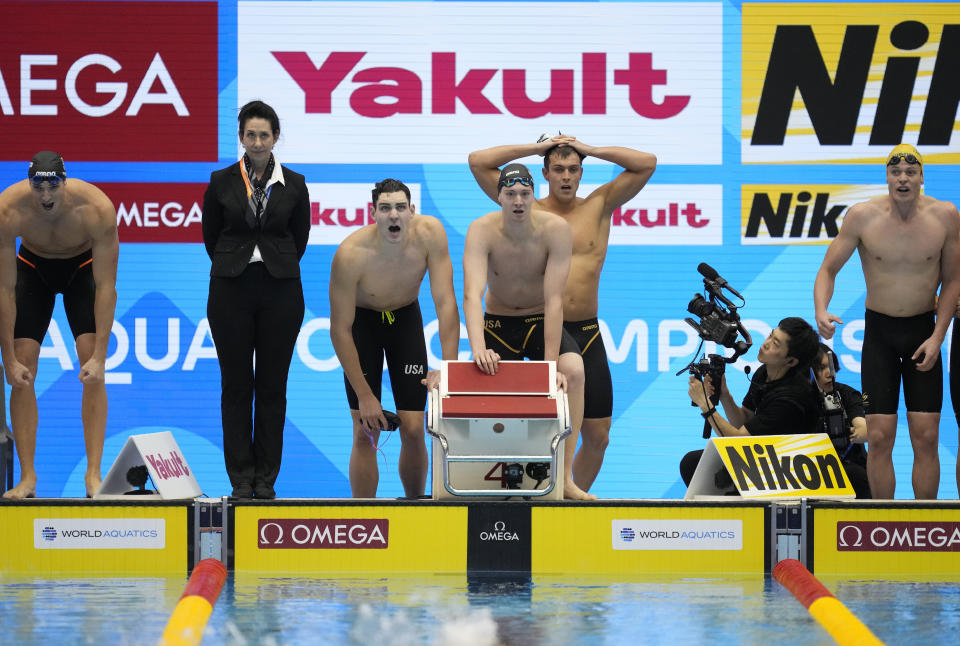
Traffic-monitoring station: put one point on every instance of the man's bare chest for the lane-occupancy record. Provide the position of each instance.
(903, 243)
(63, 236)
(519, 262)
(384, 277)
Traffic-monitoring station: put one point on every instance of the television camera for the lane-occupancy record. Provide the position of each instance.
(719, 323)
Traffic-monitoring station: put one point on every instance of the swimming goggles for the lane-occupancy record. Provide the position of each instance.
(510, 181)
(907, 157)
(38, 179)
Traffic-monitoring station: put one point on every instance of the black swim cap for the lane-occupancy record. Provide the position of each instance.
(513, 173)
(47, 163)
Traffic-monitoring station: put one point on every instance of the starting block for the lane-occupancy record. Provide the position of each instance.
(498, 435)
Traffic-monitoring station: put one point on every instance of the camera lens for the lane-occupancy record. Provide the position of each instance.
(700, 306)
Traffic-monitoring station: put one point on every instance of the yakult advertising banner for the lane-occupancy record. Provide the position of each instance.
(440, 78)
(769, 121)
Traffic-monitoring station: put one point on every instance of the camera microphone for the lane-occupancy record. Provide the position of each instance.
(711, 274)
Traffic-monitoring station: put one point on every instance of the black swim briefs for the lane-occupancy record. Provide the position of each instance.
(888, 345)
(598, 385)
(40, 279)
(398, 335)
(516, 337)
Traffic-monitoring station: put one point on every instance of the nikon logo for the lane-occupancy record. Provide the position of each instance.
(797, 65)
(840, 83)
(760, 468)
(797, 214)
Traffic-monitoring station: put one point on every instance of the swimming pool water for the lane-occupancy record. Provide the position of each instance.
(459, 610)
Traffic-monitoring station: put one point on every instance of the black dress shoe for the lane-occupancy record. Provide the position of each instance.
(264, 492)
(242, 490)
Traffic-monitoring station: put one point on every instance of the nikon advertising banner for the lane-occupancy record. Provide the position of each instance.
(772, 466)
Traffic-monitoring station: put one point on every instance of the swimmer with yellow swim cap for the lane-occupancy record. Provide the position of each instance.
(905, 153)
(909, 245)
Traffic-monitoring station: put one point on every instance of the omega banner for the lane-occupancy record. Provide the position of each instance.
(908, 541)
(111, 81)
(349, 538)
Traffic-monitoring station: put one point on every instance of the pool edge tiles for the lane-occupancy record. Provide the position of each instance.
(91, 537)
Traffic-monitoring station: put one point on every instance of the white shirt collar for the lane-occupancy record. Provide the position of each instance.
(277, 172)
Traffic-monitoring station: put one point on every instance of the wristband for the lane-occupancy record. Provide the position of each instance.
(707, 414)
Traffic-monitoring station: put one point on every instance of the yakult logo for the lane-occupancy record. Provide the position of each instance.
(337, 210)
(114, 98)
(323, 533)
(435, 95)
(171, 465)
(903, 536)
(675, 214)
(448, 86)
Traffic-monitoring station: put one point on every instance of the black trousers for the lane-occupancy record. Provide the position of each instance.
(251, 315)
(688, 465)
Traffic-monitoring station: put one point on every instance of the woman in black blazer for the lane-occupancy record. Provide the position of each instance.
(256, 221)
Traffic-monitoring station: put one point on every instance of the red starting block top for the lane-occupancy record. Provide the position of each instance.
(512, 406)
(513, 377)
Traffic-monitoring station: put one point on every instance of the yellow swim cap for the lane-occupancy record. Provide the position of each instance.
(906, 152)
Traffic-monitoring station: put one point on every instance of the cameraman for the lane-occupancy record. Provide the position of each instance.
(843, 419)
(781, 398)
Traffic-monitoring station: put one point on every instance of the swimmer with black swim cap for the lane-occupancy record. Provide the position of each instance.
(46, 173)
(590, 218)
(69, 246)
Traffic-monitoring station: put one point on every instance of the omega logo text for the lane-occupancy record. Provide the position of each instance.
(323, 533)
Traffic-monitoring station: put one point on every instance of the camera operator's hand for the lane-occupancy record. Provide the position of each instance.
(826, 324)
(724, 391)
(700, 392)
(858, 430)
